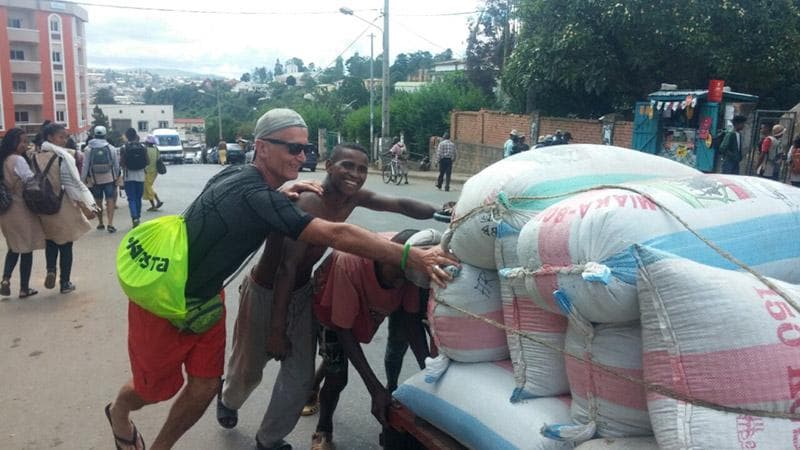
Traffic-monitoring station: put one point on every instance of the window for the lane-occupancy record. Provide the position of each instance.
(19, 86)
(142, 125)
(57, 57)
(14, 23)
(17, 55)
(58, 86)
(163, 124)
(54, 25)
(59, 116)
(21, 116)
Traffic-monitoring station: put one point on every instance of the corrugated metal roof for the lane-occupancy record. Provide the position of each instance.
(671, 96)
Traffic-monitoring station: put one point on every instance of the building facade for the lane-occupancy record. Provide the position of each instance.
(142, 118)
(191, 130)
(43, 66)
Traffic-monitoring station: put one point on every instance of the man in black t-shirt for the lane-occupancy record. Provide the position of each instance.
(228, 221)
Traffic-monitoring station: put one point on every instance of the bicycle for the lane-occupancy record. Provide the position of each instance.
(391, 171)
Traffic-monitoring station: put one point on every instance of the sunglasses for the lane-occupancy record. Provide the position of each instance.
(294, 148)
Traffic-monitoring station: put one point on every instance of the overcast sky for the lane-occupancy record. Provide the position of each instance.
(228, 43)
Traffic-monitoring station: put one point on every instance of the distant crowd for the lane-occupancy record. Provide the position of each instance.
(516, 141)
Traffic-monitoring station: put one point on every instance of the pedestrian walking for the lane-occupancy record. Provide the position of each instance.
(151, 173)
(133, 160)
(768, 165)
(445, 157)
(222, 153)
(100, 172)
(731, 147)
(21, 228)
(66, 226)
(237, 210)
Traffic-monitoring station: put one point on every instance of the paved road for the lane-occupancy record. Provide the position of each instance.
(64, 356)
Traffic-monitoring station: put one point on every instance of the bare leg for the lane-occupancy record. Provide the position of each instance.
(110, 211)
(127, 400)
(190, 405)
(100, 213)
(329, 398)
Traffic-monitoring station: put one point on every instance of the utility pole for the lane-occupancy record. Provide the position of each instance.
(372, 97)
(219, 114)
(385, 134)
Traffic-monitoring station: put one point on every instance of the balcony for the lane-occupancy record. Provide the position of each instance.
(23, 35)
(28, 98)
(26, 67)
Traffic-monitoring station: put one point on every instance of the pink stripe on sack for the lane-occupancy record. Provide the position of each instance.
(520, 313)
(505, 365)
(730, 377)
(614, 389)
(554, 234)
(735, 187)
(465, 333)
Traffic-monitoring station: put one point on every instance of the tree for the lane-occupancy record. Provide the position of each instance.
(104, 96)
(291, 81)
(489, 43)
(297, 62)
(352, 92)
(408, 64)
(446, 55)
(245, 77)
(99, 118)
(278, 70)
(260, 75)
(589, 58)
(358, 66)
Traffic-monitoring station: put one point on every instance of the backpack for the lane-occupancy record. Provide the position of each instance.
(38, 191)
(100, 159)
(794, 163)
(135, 156)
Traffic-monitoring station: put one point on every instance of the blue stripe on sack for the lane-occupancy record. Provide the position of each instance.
(745, 240)
(504, 229)
(519, 394)
(453, 420)
(567, 185)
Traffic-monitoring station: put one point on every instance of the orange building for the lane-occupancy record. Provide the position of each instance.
(43, 66)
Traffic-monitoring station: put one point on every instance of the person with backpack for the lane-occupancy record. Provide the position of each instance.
(771, 155)
(793, 158)
(100, 171)
(21, 227)
(77, 205)
(134, 160)
(151, 173)
(730, 149)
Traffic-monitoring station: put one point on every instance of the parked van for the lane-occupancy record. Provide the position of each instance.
(169, 145)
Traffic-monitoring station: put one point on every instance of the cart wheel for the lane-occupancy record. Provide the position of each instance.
(387, 174)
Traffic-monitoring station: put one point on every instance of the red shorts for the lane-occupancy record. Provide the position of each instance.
(158, 353)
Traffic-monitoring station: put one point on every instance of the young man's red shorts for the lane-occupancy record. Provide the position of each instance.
(158, 352)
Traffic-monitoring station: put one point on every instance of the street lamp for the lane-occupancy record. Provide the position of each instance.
(219, 112)
(385, 76)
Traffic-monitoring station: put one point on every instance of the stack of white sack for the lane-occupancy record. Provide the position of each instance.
(725, 338)
(578, 254)
(471, 405)
(636, 443)
(494, 206)
(458, 336)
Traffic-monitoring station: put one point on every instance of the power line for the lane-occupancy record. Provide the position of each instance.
(347, 48)
(208, 11)
(419, 35)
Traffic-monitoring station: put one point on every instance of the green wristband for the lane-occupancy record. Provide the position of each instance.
(404, 259)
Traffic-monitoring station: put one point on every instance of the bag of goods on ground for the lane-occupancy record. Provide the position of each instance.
(634, 443)
(537, 358)
(502, 191)
(578, 252)
(470, 403)
(604, 404)
(463, 338)
(721, 337)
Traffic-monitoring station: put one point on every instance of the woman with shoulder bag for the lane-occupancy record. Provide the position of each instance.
(21, 228)
(77, 205)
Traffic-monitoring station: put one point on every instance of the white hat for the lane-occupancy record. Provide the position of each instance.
(514, 132)
(100, 131)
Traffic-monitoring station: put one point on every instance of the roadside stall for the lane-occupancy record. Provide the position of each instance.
(681, 124)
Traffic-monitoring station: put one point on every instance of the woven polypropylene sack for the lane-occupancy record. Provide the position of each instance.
(605, 404)
(470, 403)
(580, 248)
(536, 356)
(722, 337)
(504, 190)
(152, 266)
(463, 338)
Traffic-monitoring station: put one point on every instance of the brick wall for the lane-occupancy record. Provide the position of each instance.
(471, 158)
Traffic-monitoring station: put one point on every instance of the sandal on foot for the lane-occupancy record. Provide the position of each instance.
(322, 440)
(27, 293)
(135, 440)
(227, 417)
(280, 445)
(50, 280)
(111, 229)
(101, 227)
(5, 288)
(312, 407)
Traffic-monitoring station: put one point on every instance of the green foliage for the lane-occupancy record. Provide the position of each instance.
(408, 64)
(353, 93)
(104, 96)
(489, 43)
(591, 57)
(245, 77)
(98, 117)
(356, 125)
(316, 116)
(358, 66)
(278, 70)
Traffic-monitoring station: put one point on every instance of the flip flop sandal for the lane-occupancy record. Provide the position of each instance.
(28, 293)
(311, 408)
(227, 417)
(281, 445)
(135, 440)
(5, 288)
(111, 229)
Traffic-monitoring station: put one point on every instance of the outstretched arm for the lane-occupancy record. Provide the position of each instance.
(358, 241)
(405, 206)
